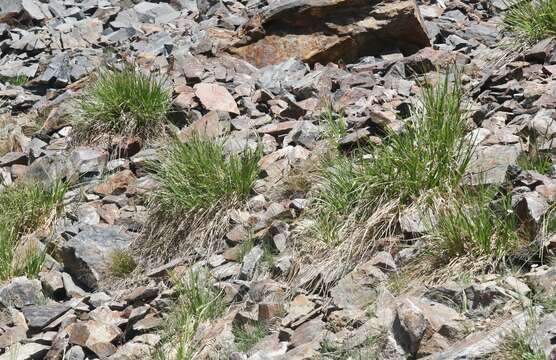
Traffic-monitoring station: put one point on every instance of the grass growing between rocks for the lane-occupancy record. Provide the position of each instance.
(196, 303)
(121, 263)
(476, 221)
(124, 102)
(358, 197)
(24, 208)
(516, 345)
(199, 182)
(248, 334)
(531, 21)
(17, 80)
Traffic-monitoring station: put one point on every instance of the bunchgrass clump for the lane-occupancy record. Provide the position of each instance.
(24, 208)
(121, 263)
(196, 303)
(198, 184)
(248, 334)
(431, 154)
(198, 175)
(531, 20)
(124, 102)
(479, 222)
(335, 126)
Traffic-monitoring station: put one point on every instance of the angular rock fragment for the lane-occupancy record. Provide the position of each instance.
(326, 31)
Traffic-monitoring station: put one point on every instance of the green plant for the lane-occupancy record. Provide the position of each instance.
(535, 158)
(197, 175)
(124, 102)
(474, 221)
(24, 207)
(196, 302)
(17, 80)
(121, 263)
(330, 351)
(531, 20)
(431, 154)
(516, 345)
(335, 126)
(248, 334)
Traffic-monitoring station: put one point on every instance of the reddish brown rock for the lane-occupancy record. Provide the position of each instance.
(216, 97)
(312, 30)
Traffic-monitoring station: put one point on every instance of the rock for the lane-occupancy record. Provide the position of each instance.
(13, 158)
(543, 340)
(357, 290)
(72, 290)
(384, 261)
(39, 316)
(25, 352)
(250, 262)
(488, 164)
(409, 326)
(300, 307)
(75, 353)
(216, 97)
(483, 298)
(86, 254)
(52, 283)
(96, 336)
(20, 292)
(311, 332)
(531, 208)
(543, 280)
(116, 184)
(516, 285)
(482, 344)
(303, 29)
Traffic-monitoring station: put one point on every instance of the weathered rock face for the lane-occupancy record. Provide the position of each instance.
(326, 31)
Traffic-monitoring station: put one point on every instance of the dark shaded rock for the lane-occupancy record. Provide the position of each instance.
(40, 316)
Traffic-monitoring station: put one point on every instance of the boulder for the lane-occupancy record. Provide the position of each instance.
(85, 255)
(326, 31)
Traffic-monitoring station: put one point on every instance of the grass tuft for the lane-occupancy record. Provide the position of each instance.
(25, 207)
(431, 154)
(196, 303)
(121, 263)
(17, 80)
(198, 184)
(197, 175)
(124, 102)
(335, 126)
(476, 221)
(248, 334)
(529, 20)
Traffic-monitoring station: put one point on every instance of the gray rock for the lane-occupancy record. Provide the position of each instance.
(75, 353)
(25, 352)
(85, 255)
(357, 290)
(482, 344)
(543, 340)
(20, 292)
(39, 316)
(409, 325)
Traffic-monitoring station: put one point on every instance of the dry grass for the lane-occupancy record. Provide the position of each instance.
(199, 184)
(357, 199)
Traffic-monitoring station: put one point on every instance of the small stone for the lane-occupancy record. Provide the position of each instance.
(216, 97)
